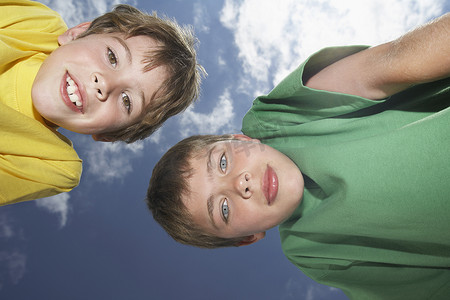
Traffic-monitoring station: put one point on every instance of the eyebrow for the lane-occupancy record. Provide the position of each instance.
(125, 46)
(210, 205)
(209, 161)
(142, 96)
(130, 61)
(209, 169)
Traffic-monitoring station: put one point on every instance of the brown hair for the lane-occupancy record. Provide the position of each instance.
(169, 184)
(175, 51)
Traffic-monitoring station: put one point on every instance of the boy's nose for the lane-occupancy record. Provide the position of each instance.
(101, 86)
(243, 185)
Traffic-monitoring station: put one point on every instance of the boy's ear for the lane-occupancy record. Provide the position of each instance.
(101, 138)
(243, 137)
(248, 240)
(73, 33)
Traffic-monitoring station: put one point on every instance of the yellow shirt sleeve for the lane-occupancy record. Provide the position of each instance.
(35, 162)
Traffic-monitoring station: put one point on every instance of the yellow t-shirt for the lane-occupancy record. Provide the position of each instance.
(35, 160)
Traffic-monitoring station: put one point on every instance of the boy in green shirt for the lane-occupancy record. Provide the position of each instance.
(353, 167)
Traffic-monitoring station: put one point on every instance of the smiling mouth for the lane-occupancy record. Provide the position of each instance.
(72, 92)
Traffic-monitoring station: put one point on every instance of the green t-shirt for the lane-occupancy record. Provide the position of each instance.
(375, 216)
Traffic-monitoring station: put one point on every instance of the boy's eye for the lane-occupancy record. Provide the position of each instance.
(126, 102)
(225, 209)
(223, 163)
(112, 58)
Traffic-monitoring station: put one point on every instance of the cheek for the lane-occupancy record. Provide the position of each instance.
(110, 119)
(46, 83)
(104, 119)
(253, 218)
(44, 99)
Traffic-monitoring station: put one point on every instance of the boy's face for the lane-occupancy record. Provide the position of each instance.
(96, 84)
(241, 188)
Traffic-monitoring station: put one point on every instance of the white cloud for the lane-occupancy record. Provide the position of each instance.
(75, 12)
(12, 262)
(333, 289)
(273, 37)
(216, 122)
(201, 18)
(58, 204)
(155, 138)
(221, 61)
(108, 161)
(13, 267)
(6, 229)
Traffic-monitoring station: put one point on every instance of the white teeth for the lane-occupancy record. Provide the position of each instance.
(70, 80)
(74, 98)
(71, 89)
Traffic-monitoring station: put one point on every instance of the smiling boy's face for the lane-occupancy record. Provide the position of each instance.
(96, 84)
(242, 188)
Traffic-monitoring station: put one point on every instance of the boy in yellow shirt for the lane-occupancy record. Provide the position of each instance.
(117, 78)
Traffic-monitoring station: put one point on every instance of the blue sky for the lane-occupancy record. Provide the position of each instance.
(100, 242)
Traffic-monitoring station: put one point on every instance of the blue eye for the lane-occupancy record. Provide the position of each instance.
(223, 163)
(225, 209)
(126, 101)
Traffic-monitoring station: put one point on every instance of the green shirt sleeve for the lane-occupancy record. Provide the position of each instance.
(291, 102)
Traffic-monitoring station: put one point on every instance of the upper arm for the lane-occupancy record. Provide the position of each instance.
(35, 162)
(27, 178)
(420, 56)
(352, 75)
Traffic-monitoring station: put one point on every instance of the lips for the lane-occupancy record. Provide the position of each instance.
(71, 94)
(270, 185)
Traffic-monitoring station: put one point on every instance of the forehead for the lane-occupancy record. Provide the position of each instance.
(142, 47)
(199, 162)
(195, 196)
